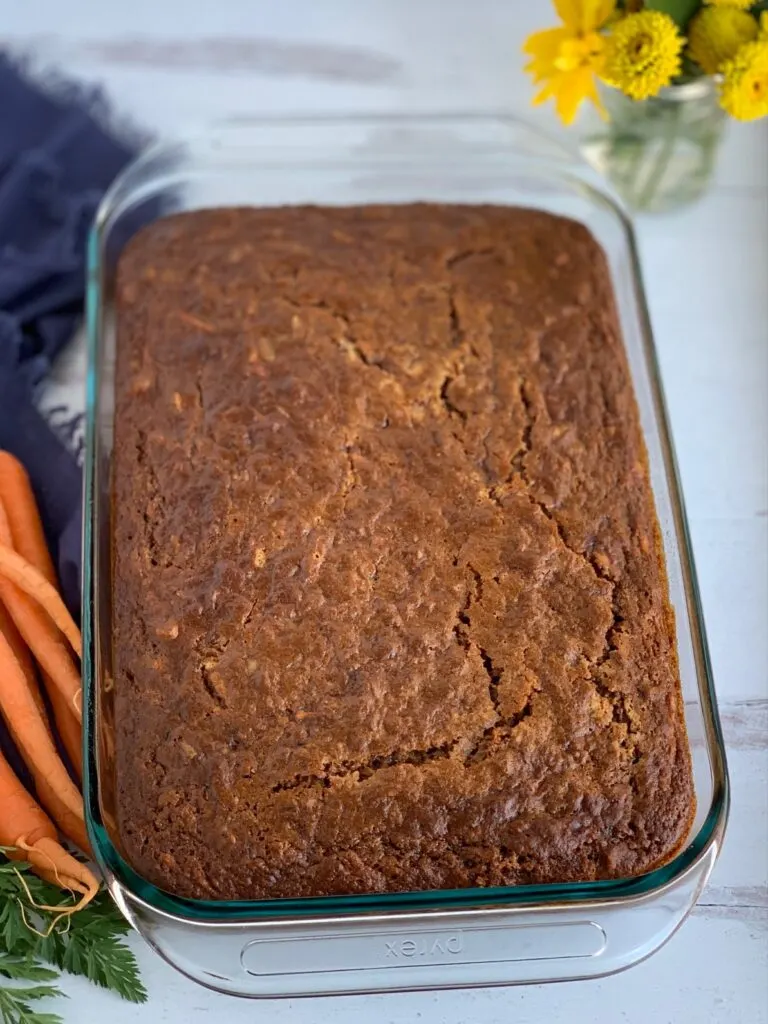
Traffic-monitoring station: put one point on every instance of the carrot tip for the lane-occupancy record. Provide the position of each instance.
(65, 870)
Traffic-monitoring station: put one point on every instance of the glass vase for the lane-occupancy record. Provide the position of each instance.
(659, 154)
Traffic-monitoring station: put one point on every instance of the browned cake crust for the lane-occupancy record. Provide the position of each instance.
(390, 610)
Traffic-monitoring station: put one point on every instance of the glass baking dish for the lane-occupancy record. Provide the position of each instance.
(416, 940)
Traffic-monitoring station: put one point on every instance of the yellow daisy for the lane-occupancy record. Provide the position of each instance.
(716, 34)
(744, 92)
(564, 60)
(642, 54)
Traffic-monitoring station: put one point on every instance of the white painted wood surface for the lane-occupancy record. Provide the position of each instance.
(175, 61)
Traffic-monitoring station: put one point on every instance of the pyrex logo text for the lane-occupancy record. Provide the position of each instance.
(428, 946)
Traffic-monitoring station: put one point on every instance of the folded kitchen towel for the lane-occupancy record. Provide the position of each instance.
(56, 161)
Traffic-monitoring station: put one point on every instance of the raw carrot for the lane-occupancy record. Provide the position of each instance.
(26, 535)
(19, 648)
(32, 582)
(48, 648)
(27, 833)
(41, 635)
(21, 817)
(21, 651)
(20, 528)
(56, 865)
(67, 725)
(36, 746)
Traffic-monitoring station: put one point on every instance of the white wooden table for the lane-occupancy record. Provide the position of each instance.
(707, 275)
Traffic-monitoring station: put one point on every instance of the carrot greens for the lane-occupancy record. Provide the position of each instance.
(89, 943)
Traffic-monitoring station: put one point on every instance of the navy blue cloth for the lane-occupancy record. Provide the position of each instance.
(56, 161)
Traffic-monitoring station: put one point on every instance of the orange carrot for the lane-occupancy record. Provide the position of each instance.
(67, 725)
(21, 652)
(41, 635)
(36, 746)
(27, 833)
(21, 817)
(22, 655)
(57, 866)
(25, 534)
(20, 527)
(35, 585)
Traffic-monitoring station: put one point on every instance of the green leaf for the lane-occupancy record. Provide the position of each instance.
(93, 948)
(23, 968)
(106, 962)
(27, 992)
(15, 936)
(681, 11)
(88, 943)
(15, 1003)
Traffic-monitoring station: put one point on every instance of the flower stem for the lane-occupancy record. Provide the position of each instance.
(659, 169)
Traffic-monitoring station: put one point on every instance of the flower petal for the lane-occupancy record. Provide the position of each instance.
(544, 48)
(573, 92)
(602, 11)
(570, 13)
(545, 44)
(583, 16)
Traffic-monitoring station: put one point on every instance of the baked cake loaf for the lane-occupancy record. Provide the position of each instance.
(390, 609)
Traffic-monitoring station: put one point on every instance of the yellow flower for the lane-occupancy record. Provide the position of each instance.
(716, 33)
(763, 25)
(642, 54)
(742, 5)
(744, 93)
(564, 60)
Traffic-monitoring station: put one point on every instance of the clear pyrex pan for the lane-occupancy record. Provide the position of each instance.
(411, 940)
